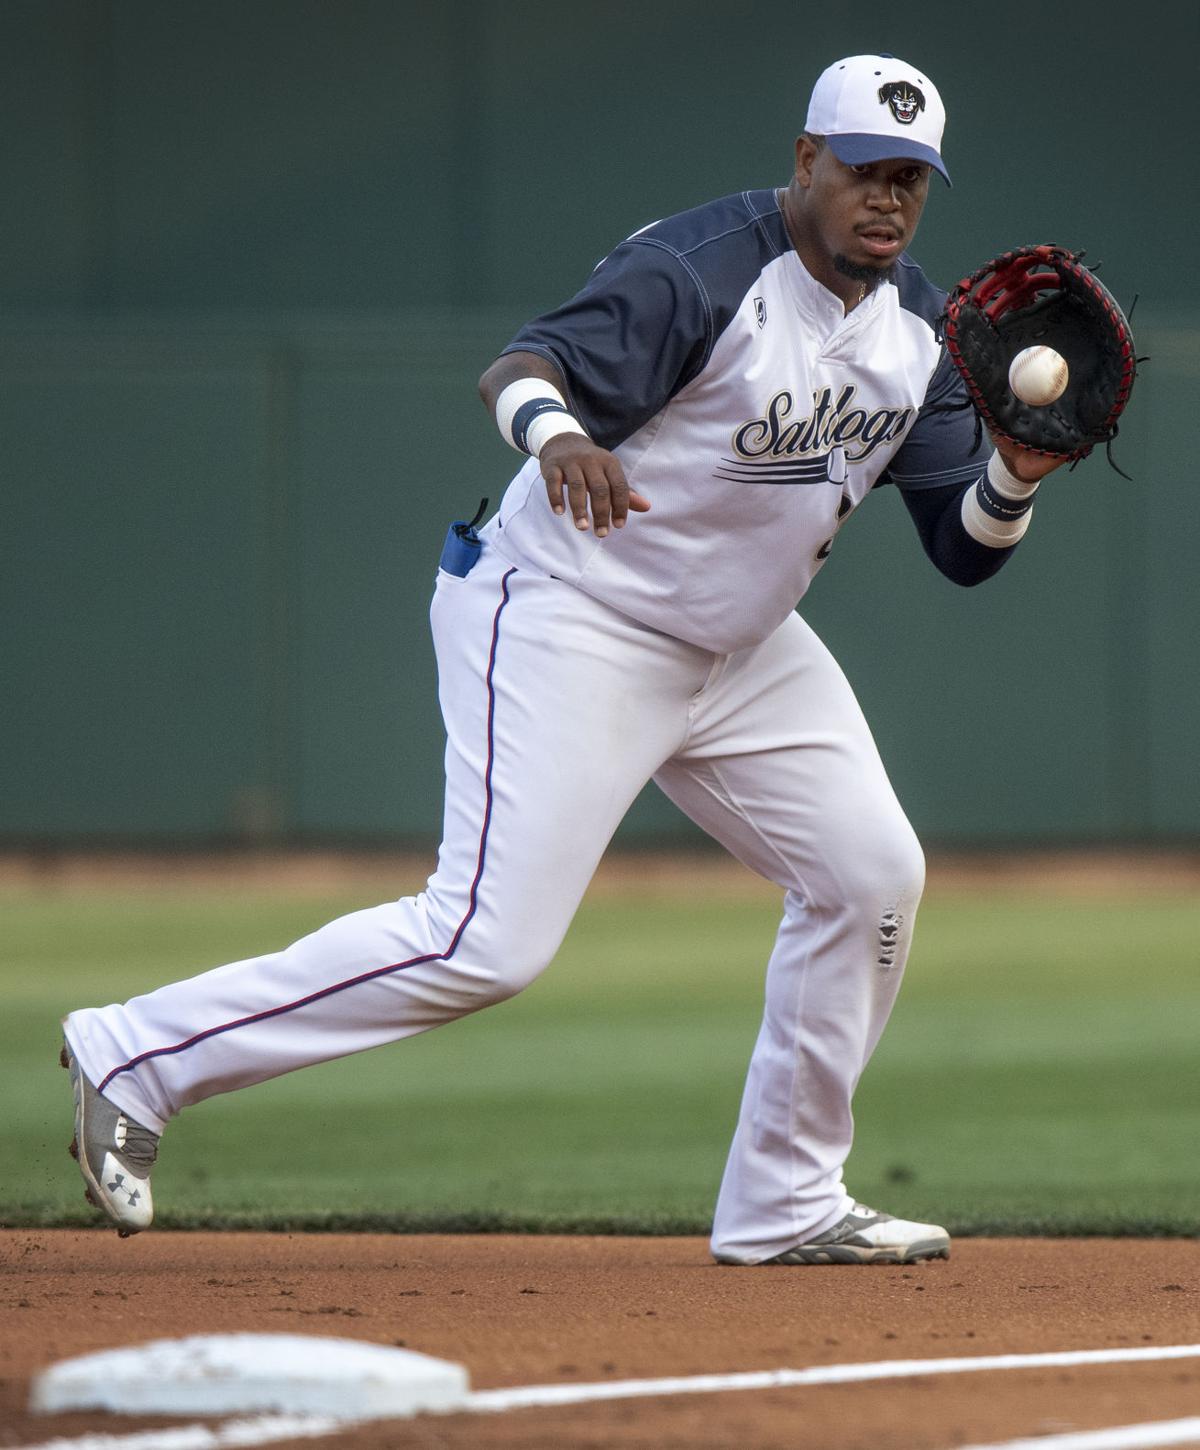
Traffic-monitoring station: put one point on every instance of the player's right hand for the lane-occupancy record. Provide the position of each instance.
(577, 470)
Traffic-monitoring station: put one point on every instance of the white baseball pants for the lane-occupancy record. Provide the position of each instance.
(558, 709)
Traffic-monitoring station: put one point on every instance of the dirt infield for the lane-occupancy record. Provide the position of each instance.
(533, 1310)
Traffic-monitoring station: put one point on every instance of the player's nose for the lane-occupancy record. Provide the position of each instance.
(883, 197)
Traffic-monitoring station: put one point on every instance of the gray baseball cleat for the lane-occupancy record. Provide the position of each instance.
(866, 1236)
(115, 1154)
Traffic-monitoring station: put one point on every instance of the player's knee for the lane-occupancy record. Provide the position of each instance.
(503, 982)
(501, 971)
(888, 867)
(498, 954)
(904, 861)
(878, 892)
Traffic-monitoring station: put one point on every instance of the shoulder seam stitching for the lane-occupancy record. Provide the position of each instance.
(759, 219)
(709, 340)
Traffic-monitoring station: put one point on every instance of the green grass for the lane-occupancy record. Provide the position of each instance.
(1039, 1074)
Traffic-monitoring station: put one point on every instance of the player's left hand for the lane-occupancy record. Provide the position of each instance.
(1025, 463)
(1041, 296)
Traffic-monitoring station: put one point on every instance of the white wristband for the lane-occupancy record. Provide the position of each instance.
(549, 425)
(1008, 484)
(996, 510)
(531, 411)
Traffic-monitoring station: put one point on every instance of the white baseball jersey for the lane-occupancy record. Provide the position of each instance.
(751, 411)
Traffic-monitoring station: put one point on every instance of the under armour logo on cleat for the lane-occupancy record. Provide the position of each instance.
(118, 1184)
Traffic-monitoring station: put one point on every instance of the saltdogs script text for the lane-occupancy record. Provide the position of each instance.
(830, 424)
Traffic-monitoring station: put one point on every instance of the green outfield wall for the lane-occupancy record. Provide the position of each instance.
(257, 255)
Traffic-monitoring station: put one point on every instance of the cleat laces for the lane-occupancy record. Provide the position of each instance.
(137, 1145)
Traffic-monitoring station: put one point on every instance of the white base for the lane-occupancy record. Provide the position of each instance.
(221, 1374)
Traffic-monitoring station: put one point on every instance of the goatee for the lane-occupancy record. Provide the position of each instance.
(857, 272)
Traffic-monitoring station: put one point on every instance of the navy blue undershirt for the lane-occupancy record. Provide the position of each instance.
(937, 513)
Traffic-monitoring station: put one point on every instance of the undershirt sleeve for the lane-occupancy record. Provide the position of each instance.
(639, 330)
(937, 513)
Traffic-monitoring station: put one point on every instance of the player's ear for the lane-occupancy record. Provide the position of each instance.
(806, 155)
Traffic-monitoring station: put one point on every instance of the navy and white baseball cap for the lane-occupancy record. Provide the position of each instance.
(878, 108)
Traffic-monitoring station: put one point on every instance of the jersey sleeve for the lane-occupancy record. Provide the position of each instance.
(638, 332)
(941, 445)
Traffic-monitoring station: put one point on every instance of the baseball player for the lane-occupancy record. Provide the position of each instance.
(699, 422)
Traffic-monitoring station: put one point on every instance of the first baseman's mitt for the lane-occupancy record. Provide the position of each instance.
(1042, 296)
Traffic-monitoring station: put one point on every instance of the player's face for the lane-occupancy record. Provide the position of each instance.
(860, 218)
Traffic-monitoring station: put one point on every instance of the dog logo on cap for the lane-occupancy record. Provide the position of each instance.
(904, 99)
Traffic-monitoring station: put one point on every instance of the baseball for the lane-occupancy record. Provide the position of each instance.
(1038, 375)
